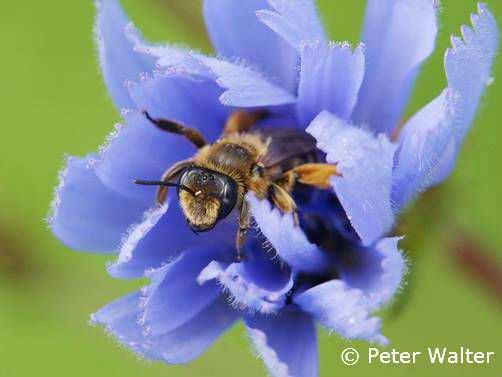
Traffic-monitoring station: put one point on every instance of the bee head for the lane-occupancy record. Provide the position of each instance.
(209, 197)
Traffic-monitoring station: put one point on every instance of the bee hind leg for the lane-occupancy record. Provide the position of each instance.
(314, 174)
(242, 121)
(191, 134)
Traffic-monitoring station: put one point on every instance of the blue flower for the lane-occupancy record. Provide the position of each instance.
(339, 265)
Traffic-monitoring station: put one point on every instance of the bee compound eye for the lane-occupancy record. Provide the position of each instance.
(228, 198)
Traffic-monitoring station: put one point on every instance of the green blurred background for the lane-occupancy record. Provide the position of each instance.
(54, 102)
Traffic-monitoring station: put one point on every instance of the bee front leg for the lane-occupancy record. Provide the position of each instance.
(170, 174)
(244, 223)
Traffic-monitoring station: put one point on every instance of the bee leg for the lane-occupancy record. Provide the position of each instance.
(170, 174)
(191, 134)
(287, 181)
(281, 198)
(241, 121)
(244, 223)
(315, 174)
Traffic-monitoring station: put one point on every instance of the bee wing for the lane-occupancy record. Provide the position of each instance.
(289, 147)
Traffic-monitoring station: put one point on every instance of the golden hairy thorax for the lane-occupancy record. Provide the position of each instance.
(235, 155)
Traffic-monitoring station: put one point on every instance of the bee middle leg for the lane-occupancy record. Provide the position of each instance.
(241, 121)
(283, 200)
(244, 224)
(312, 174)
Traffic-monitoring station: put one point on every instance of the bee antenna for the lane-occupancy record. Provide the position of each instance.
(164, 184)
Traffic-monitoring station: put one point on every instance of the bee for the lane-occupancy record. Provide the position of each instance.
(266, 161)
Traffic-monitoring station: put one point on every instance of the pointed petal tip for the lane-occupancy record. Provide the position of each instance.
(435, 134)
(401, 52)
(118, 58)
(295, 21)
(245, 86)
(338, 69)
(236, 32)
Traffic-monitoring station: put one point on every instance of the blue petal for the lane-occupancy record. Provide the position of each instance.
(159, 239)
(342, 309)
(86, 215)
(246, 87)
(425, 139)
(430, 141)
(119, 60)
(288, 240)
(170, 58)
(286, 342)
(399, 35)
(237, 33)
(294, 20)
(178, 297)
(192, 101)
(377, 271)
(365, 162)
(257, 284)
(120, 319)
(139, 150)
(330, 79)
(468, 63)
(179, 346)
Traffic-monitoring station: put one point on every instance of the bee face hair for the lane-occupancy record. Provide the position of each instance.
(211, 196)
(200, 212)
